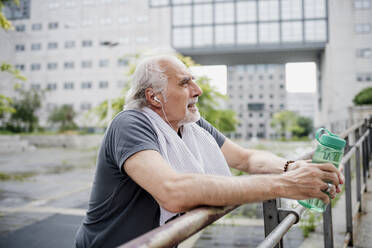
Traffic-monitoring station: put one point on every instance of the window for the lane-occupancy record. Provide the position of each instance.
(52, 45)
(19, 47)
(106, 1)
(52, 25)
(121, 84)
(224, 12)
(364, 53)
(203, 14)
(70, 4)
(364, 77)
(247, 33)
(362, 4)
(35, 67)
(292, 31)
(123, 19)
(53, 5)
(181, 15)
(87, 22)
(36, 27)
(20, 67)
(181, 37)
(35, 86)
(203, 36)
(69, 65)
(256, 106)
(224, 34)
(291, 9)
(363, 28)
(142, 39)
(86, 43)
(123, 62)
(70, 25)
(106, 21)
(246, 11)
(36, 46)
(14, 12)
(68, 85)
(20, 28)
(315, 8)
(269, 32)
(85, 106)
(103, 84)
(86, 85)
(103, 63)
(88, 2)
(268, 10)
(51, 86)
(142, 19)
(69, 44)
(52, 66)
(86, 64)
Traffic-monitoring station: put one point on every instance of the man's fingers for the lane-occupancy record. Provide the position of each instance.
(330, 177)
(331, 168)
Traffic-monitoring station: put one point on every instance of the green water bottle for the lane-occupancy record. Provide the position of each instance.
(330, 149)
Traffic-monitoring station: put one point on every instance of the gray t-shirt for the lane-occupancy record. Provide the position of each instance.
(119, 209)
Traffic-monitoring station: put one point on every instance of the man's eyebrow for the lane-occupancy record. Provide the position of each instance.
(185, 79)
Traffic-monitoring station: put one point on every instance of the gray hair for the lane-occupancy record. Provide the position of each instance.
(148, 74)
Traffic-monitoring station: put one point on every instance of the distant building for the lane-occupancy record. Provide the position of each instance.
(255, 93)
(78, 50)
(303, 103)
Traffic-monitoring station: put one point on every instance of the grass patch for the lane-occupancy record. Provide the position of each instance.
(20, 176)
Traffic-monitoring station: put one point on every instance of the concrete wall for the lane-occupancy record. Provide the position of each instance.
(67, 141)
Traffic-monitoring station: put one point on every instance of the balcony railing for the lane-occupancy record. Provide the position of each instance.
(277, 221)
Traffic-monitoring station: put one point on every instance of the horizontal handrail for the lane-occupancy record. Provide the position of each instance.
(179, 229)
(277, 234)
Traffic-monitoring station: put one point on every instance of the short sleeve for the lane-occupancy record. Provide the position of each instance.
(217, 135)
(131, 131)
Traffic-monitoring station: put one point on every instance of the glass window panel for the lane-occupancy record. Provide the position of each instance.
(247, 33)
(182, 37)
(316, 30)
(269, 32)
(225, 34)
(203, 36)
(291, 31)
(181, 15)
(224, 12)
(181, 1)
(159, 2)
(246, 11)
(315, 8)
(291, 9)
(203, 14)
(268, 10)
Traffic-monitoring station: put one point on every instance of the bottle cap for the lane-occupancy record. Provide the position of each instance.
(330, 139)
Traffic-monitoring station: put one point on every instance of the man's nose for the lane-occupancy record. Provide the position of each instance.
(196, 90)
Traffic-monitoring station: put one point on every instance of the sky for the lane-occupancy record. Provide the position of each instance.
(300, 77)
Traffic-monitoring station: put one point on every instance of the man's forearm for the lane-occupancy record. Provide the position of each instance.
(190, 190)
(262, 162)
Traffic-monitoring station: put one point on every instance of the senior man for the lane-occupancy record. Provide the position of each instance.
(158, 158)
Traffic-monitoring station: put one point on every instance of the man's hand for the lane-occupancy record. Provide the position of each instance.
(308, 180)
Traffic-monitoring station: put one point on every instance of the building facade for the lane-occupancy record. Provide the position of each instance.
(302, 103)
(255, 93)
(78, 50)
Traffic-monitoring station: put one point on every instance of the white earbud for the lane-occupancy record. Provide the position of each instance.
(156, 99)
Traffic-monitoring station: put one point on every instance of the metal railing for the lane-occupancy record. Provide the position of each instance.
(277, 221)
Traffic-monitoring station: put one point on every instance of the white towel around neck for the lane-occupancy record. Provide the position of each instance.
(197, 151)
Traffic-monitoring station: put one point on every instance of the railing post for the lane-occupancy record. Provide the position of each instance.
(364, 159)
(367, 146)
(357, 170)
(328, 227)
(349, 209)
(271, 218)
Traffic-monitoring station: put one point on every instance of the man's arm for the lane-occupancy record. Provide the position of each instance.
(252, 161)
(177, 192)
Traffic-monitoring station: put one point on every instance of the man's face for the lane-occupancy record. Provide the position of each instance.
(181, 96)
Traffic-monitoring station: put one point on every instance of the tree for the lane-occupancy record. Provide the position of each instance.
(24, 117)
(306, 127)
(63, 117)
(5, 24)
(363, 97)
(288, 122)
(208, 102)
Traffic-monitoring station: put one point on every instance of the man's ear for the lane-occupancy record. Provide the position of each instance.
(151, 98)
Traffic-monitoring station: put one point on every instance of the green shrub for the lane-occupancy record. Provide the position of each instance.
(363, 97)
